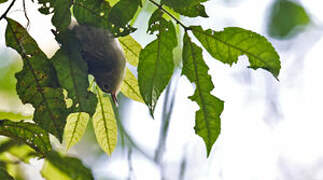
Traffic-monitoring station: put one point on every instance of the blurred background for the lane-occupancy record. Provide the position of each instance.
(271, 130)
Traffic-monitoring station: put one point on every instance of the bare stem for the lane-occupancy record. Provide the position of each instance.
(4, 15)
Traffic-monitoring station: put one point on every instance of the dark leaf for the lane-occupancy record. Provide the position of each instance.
(232, 42)
(29, 133)
(181, 3)
(72, 73)
(121, 13)
(287, 18)
(37, 82)
(156, 64)
(4, 175)
(207, 118)
(97, 13)
(69, 166)
(192, 11)
(3, 1)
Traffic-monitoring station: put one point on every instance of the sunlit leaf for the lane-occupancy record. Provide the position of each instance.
(23, 152)
(75, 128)
(104, 124)
(232, 42)
(29, 133)
(4, 175)
(130, 87)
(131, 49)
(287, 18)
(62, 167)
(14, 116)
(207, 118)
(37, 82)
(156, 62)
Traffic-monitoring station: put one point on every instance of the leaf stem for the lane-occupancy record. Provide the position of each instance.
(4, 15)
(160, 6)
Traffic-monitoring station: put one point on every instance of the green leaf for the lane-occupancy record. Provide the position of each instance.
(120, 14)
(75, 128)
(156, 62)
(104, 124)
(13, 116)
(61, 9)
(130, 87)
(192, 11)
(92, 12)
(131, 48)
(232, 42)
(97, 13)
(72, 73)
(181, 3)
(37, 82)
(23, 152)
(4, 175)
(207, 118)
(29, 133)
(64, 167)
(3, 1)
(287, 19)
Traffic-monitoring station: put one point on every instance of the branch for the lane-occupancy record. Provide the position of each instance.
(4, 15)
(160, 6)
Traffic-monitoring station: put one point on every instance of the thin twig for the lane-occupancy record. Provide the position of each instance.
(4, 15)
(25, 12)
(160, 6)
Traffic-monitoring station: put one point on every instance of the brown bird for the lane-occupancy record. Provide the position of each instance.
(104, 56)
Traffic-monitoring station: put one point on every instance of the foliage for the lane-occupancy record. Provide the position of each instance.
(64, 100)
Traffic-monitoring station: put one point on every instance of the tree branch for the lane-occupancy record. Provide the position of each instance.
(4, 15)
(160, 6)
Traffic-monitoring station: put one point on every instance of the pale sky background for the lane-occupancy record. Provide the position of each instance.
(270, 130)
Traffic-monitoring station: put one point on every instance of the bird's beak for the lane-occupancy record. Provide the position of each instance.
(114, 97)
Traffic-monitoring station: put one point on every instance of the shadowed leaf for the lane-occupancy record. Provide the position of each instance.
(4, 175)
(37, 82)
(62, 167)
(181, 3)
(29, 133)
(97, 13)
(232, 42)
(156, 62)
(207, 118)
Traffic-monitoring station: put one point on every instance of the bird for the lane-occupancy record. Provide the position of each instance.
(104, 56)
